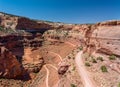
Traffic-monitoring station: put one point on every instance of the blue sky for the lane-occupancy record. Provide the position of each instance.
(68, 11)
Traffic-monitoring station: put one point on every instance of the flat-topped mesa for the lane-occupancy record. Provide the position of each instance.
(22, 23)
(25, 23)
(109, 23)
(16, 22)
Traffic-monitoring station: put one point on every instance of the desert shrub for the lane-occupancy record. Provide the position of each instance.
(104, 69)
(100, 58)
(6, 30)
(36, 70)
(73, 69)
(10, 23)
(73, 85)
(112, 57)
(69, 57)
(93, 60)
(1, 28)
(87, 64)
(81, 48)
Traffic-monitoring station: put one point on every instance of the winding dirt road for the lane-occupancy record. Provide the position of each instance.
(47, 70)
(70, 43)
(45, 66)
(57, 55)
(87, 81)
(47, 76)
(47, 85)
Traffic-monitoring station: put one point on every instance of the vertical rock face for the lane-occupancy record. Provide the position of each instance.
(32, 61)
(9, 65)
(14, 59)
(104, 37)
(25, 23)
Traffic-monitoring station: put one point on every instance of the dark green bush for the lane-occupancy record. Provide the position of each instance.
(81, 48)
(112, 57)
(87, 64)
(93, 60)
(73, 85)
(100, 58)
(104, 69)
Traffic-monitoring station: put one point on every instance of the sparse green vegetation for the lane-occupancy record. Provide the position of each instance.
(93, 60)
(69, 57)
(73, 85)
(81, 48)
(73, 69)
(87, 64)
(7, 31)
(100, 58)
(104, 69)
(66, 33)
(119, 84)
(1, 28)
(112, 57)
(10, 23)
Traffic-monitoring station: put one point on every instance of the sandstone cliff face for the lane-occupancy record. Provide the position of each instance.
(104, 38)
(16, 61)
(25, 23)
(14, 41)
(9, 65)
(32, 61)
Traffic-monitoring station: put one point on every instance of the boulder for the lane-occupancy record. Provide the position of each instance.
(62, 69)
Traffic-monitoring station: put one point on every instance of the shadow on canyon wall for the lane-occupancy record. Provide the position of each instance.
(15, 45)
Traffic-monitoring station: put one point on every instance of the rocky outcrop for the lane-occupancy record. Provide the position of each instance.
(63, 69)
(25, 23)
(32, 61)
(14, 41)
(9, 65)
(16, 62)
(104, 38)
(8, 21)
